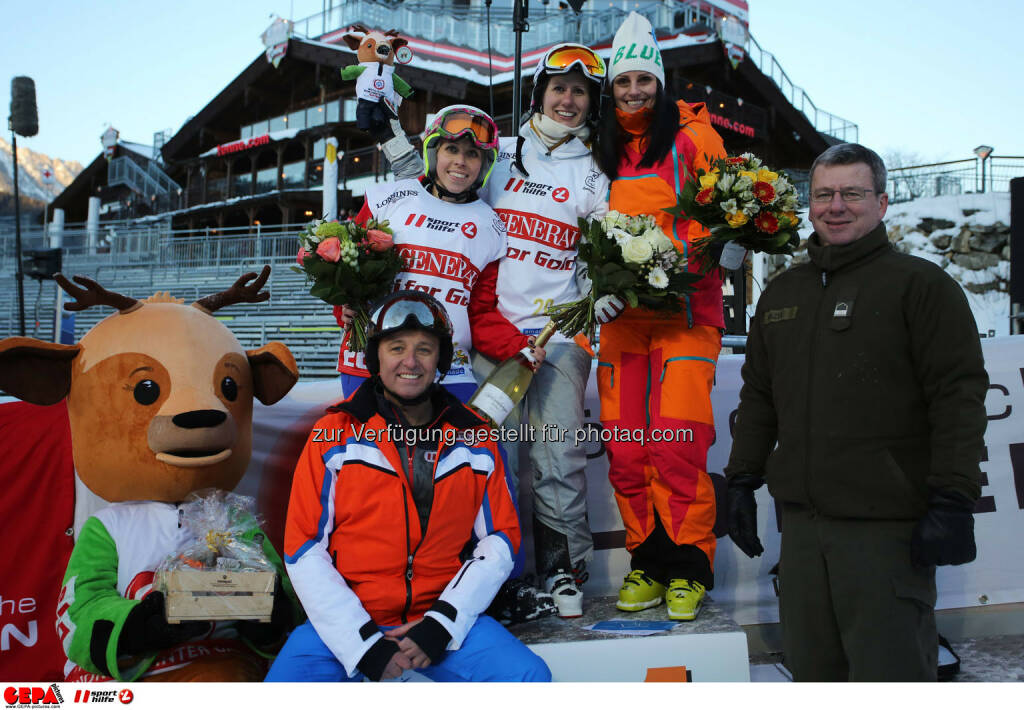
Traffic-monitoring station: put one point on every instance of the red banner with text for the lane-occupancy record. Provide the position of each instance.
(37, 509)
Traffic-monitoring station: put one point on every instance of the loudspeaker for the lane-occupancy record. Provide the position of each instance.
(42, 263)
(24, 119)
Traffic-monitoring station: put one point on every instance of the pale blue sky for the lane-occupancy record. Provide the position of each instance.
(933, 78)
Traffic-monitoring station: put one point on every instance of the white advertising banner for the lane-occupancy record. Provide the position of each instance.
(743, 587)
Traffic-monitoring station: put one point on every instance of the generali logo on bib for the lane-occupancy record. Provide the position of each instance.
(549, 232)
(438, 262)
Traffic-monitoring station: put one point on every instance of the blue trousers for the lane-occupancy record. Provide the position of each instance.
(462, 390)
(489, 653)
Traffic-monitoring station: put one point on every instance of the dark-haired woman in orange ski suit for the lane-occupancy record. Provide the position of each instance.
(656, 370)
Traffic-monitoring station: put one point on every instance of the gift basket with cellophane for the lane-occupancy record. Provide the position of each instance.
(222, 571)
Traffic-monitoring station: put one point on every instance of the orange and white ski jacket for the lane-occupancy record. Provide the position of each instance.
(353, 543)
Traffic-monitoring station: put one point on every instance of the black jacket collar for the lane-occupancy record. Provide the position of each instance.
(830, 257)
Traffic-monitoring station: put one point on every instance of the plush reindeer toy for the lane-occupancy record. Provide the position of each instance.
(378, 88)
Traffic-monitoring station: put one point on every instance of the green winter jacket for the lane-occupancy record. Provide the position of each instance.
(865, 367)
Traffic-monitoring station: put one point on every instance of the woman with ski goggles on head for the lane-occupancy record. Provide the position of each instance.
(544, 181)
(444, 232)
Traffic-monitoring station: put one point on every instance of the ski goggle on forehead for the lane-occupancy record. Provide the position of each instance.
(565, 58)
(456, 124)
(410, 314)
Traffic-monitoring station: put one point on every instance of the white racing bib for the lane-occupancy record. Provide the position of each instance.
(445, 246)
(541, 214)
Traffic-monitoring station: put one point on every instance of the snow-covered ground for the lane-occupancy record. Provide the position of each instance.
(992, 308)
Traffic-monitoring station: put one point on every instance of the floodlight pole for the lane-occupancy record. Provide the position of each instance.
(20, 274)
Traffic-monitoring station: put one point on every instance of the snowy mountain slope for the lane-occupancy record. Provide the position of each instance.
(30, 172)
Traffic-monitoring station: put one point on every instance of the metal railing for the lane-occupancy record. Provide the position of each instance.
(823, 121)
(467, 26)
(954, 177)
(463, 26)
(151, 182)
(156, 244)
(230, 247)
(153, 242)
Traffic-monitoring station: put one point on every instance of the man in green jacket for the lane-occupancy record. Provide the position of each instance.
(863, 407)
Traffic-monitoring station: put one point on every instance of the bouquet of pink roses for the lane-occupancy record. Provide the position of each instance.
(349, 264)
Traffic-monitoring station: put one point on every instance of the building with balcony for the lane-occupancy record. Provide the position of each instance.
(255, 153)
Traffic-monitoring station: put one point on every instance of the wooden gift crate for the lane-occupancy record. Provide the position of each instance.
(216, 595)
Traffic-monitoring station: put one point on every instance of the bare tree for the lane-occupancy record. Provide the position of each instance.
(904, 181)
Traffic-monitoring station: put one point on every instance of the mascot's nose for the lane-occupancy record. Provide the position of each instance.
(383, 50)
(199, 418)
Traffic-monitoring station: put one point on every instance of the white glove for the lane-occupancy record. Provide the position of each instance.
(608, 308)
(405, 162)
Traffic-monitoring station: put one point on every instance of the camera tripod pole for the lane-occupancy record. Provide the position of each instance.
(520, 11)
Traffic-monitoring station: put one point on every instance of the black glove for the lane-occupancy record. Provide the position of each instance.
(431, 637)
(715, 251)
(945, 535)
(146, 629)
(266, 634)
(742, 511)
(375, 660)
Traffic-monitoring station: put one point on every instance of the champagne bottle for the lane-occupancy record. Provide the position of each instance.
(506, 386)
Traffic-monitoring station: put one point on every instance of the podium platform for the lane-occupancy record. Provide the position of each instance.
(712, 648)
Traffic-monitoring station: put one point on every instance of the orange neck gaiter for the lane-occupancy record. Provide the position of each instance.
(634, 127)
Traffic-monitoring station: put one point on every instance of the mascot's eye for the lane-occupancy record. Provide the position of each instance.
(147, 392)
(229, 388)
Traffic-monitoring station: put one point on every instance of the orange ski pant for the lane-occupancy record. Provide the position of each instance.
(654, 377)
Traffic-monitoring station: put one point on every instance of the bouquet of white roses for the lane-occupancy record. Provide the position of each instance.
(745, 206)
(629, 257)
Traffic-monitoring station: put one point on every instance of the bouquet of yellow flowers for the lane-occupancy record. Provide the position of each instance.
(629, 257)
(349, 264)
(745, 206)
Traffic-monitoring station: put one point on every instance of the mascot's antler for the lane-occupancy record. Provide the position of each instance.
(391, 33)
(238, 293)
(93, 295)
(359, 28)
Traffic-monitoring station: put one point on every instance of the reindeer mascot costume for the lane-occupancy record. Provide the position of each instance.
(159, 399)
